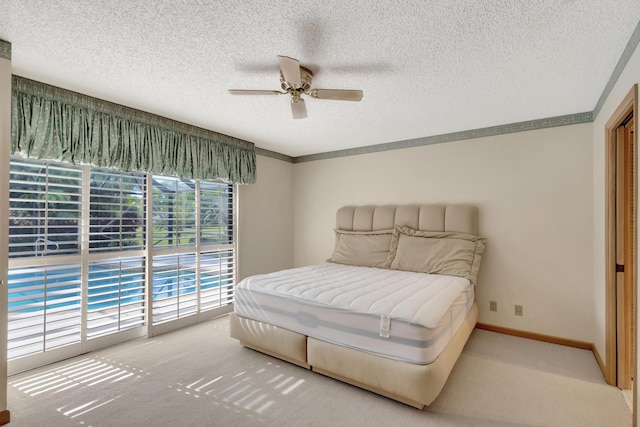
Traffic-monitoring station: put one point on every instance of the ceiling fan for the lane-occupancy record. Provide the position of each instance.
(295, 80)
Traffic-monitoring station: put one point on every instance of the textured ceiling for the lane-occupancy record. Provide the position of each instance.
(426, 67)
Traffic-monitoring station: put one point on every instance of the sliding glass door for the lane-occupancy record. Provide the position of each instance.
(98, 256)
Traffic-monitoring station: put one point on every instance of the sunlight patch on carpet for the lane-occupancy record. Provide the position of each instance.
(82, 373)
(255, 389)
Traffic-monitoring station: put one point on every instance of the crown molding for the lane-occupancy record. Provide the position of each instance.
(632, 44)
(566, 120)
(571, 119)
(274, 155)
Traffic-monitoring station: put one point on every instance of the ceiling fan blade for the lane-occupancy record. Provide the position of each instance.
(290, 69)
(337, 94)
(254, 92)
(298, 109)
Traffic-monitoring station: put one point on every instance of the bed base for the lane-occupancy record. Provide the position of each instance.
(277, 342)
(411, 384)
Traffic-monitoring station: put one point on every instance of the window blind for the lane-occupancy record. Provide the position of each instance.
(45, 203)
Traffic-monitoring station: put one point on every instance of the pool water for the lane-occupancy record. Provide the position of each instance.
(107, 288)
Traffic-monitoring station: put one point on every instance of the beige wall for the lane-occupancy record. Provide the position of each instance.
(534, 193)
(629, 77)
(265, 232)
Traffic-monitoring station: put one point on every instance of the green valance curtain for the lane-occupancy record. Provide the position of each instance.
(55, 124)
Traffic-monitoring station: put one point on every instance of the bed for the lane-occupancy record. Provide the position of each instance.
(389, 312)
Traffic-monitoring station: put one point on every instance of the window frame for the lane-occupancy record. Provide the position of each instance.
(146, 253)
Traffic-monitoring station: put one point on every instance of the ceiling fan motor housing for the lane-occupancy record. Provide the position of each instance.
(306, 77)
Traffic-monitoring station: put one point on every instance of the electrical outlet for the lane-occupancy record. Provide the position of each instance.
(493, 306)
(518, 310)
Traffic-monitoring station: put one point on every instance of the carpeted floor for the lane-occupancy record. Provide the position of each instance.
(198, 376)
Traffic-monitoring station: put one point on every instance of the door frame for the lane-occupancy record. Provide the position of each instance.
(628, 106)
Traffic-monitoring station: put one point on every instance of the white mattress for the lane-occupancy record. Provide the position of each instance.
(349, 306)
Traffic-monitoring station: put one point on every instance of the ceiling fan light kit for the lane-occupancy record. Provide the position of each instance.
(296, 81)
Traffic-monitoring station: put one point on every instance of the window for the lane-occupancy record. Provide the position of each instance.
(217, 278)
(174, 207)
(45, 209)
(115, 296)
(186, 213)
(80, 257)
(174, 286)
(44, 300)
(216, 213)
(116, 210)
(44, 309)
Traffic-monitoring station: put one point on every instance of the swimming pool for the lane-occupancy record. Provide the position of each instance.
(55, 288)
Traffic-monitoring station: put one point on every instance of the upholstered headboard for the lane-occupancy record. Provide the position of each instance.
(459, 218)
